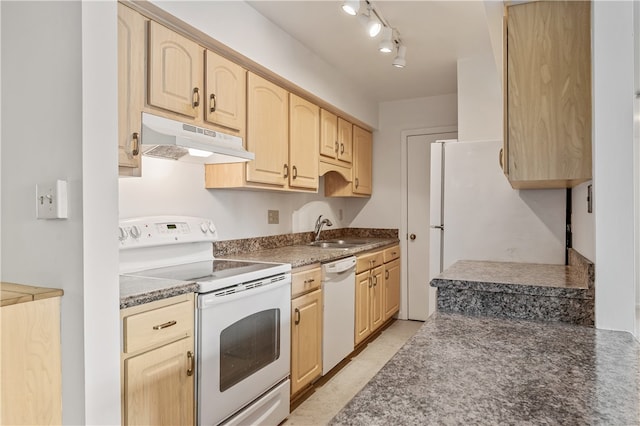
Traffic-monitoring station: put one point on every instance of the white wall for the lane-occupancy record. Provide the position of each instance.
(242, 28)
(41, 142)
(177, 188)
(613, 83)
(582, 222)
(479, 99)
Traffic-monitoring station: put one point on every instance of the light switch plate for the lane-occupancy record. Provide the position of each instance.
(51, 200)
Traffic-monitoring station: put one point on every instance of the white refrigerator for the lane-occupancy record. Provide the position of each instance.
(476, 215)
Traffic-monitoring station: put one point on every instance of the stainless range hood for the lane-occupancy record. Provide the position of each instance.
(174, 140)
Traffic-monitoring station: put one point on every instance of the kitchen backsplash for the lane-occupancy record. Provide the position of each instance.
(229, 247)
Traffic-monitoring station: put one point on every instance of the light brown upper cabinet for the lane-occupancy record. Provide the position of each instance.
(335, 139)
(548, 94)
(267, 131)
(225, 92)
(175, 72)
(362, 164)
(304, 134)
(131, 28)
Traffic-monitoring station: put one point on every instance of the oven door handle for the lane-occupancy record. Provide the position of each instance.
(208, 300)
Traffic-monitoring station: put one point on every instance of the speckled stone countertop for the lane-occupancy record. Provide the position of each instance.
(461, 369)
(138, 290)
(507, 277)
(301, 255)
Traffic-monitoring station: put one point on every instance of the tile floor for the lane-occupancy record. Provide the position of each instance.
(333, 395)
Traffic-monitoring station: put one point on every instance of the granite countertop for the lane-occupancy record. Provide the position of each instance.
(12, 293)
(461, 369)
(512, 277)
(301, 255)
(136, 290)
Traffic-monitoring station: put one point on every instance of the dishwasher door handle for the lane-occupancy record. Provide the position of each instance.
(340, 265)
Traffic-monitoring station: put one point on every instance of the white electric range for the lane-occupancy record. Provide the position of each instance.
(243, 316)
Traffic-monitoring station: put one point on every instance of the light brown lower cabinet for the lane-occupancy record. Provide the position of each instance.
(306, 328)
(158, 364)
(369, 295)
(31, 363)
(391, 288)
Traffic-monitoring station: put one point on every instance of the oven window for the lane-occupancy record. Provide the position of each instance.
(248, 345)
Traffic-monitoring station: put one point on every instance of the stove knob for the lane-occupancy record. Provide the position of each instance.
(135, 231)
(123, 233)
(212, 228)
(204, 227)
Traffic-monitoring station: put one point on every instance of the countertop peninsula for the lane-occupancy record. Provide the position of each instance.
(13, 293)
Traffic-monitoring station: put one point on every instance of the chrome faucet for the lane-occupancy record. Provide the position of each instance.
(319, 224)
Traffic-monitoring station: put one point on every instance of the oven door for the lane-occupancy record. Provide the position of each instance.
(243, 347)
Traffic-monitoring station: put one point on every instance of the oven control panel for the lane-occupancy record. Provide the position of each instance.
(165, 230)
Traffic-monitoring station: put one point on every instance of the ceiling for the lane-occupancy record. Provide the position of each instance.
(436, 34)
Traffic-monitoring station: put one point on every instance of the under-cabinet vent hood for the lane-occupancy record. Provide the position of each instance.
(174, 140)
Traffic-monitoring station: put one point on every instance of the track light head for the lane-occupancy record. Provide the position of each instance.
(400, 60)
(386, 45)
(351, 7)
(373, 26)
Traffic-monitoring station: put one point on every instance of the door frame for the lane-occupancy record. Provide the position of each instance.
(402, 235)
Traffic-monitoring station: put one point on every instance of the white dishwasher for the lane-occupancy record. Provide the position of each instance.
(339, 292)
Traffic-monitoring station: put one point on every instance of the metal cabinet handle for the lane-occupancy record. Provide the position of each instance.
(412, 237)
(192, 363)
(370, 282)
(286, 170)
(336, 147)
(212, 103)
(357, 182)
(297, 320)
(136, 144)
(386, 275)
(309, 281)
(341, 148)
(196, 97)
(501, 158)
(375, 281)
(165, 325)
(294, 172)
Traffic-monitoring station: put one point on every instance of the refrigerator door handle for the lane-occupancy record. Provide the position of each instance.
(441, 227)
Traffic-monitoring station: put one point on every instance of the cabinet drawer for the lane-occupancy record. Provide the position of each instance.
(369, 260)
(158, 326)
(305, 281)
(391, 253)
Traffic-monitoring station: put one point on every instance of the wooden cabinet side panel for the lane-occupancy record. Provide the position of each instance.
(225, 93)
(306, 338)
(175, 71)
(131, 54)
(549, 90)
(157, 389)
(304, 136)
(363, 160)
(267, 131)
(31, 363)
(391, 288)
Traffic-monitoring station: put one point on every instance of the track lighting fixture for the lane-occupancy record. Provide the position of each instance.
(351, 7)
(374, 22)
(400, 61)
(386, 45)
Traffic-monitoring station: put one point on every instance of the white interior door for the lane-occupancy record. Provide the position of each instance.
(418, 169)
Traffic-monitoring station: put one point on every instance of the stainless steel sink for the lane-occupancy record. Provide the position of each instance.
(338, 243)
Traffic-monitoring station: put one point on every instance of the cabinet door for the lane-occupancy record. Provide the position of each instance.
(306, 339)
(175, 72)
(362, 148)
(377, 297)
(267, 131)
(304, 134)
(548, 101)
(131, 27)
(391, 288)
(225, 92)
(329, 145)
(363, 306)
(345, 140)
(157, 388)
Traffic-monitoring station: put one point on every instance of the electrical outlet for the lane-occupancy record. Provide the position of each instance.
(340, 214)
(590, 199)
(273, 217)
(51, 200)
